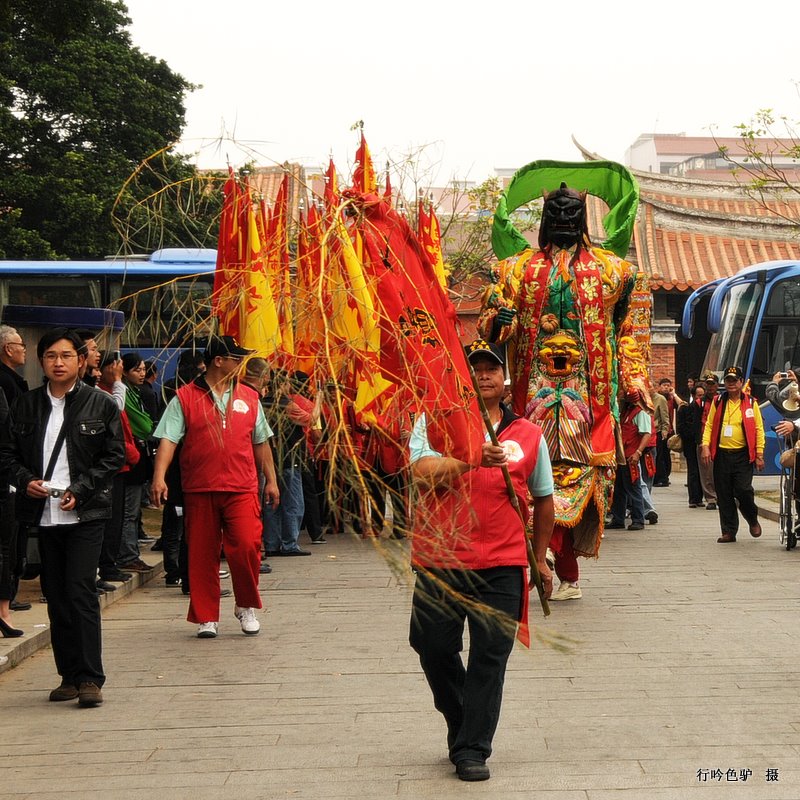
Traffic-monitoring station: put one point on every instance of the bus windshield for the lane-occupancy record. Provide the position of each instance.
(777, 347)
(731, 344)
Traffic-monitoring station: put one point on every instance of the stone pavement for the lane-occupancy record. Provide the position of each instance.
(683, 661)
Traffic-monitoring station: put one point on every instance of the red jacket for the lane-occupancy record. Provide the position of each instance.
(472, 525)
(217, 455)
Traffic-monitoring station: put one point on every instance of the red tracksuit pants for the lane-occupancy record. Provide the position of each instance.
(222, 519)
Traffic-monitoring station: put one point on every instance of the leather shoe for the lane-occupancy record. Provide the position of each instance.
(726, 538)
(105, 586)
(755, 530)
(89, 695)
(295, 553)
(472, 770)
(118, 577)
(66, 691)
(15, 605)
(615, 526)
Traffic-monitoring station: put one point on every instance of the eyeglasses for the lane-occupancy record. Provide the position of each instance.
(19, 344)
(53, 357)
(237, 359)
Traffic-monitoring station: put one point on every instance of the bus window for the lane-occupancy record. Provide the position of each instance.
(75, 291)
(165, 314)
(778, 343)
(731, 344)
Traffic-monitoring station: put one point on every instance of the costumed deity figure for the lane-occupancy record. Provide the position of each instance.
(576, 321)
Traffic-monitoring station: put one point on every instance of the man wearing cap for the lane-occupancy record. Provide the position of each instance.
(222, 428)
(733, 439)
(469, 553)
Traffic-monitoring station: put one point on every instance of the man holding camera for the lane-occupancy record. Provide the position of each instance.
(63, 449)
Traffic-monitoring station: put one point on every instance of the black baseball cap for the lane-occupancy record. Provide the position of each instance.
(733, 372)
(710, 376)
(483, 349)
(225, 346)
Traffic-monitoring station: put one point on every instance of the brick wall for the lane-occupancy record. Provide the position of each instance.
(662, 362)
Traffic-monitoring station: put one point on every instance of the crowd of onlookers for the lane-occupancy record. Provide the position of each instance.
(300, 428)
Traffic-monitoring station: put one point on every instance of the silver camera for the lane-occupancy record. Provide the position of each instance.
(53, 489)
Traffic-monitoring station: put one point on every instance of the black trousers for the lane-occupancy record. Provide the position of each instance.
(694, 486)
(663, 461)
(171, 538)
(733, 481)
(378, 481)
(112, 533)
(312, 514)
(8, 549)
(70, 555)
(468, 698)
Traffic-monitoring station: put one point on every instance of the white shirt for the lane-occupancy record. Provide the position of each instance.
(52, 513)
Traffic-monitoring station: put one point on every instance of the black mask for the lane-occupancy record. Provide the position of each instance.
(563, 218)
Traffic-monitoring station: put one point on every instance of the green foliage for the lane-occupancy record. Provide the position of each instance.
(769, 142)
(467, 236)
(81, 111)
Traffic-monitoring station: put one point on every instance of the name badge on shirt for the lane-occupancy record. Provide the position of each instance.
(727, 431)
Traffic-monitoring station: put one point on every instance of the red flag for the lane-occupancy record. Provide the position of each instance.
(419, 344)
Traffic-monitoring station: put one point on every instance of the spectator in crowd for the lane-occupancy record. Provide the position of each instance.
(92, 352)
(151, 399)
(706, 468)
(13, 354)
(469, 553)
(282, 523)
(69, 499)
(7, 535)
(686, 430)
(224, 434)
(141, 423)
(110, 382)
(190, 365)
(636, 429)
(307, 416)
(733, 440)
(663, 456)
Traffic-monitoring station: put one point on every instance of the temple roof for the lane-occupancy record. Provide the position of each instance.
(691, 231)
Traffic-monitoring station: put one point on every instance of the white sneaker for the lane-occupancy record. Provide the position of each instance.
(207, 630)
(550, 558)
(247, 616)
(224, 573)
(567, 591)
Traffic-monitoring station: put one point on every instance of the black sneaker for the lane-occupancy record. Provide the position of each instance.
(711, 507)
(172, 581)
(651, 517)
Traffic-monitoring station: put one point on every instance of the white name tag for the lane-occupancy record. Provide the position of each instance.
(727, 431)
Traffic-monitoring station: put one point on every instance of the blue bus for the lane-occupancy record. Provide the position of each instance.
(754, 321)
(165, 297)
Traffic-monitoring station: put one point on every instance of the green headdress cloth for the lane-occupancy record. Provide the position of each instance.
(607, 180)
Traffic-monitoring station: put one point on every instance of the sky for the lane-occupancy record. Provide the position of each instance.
(454, 90)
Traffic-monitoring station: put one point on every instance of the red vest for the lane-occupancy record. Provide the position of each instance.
(720, 402)
(217, 455)
(630, 433)
(472, 525)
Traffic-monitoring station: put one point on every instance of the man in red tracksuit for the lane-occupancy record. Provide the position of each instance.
(224, 434)
(470, 555)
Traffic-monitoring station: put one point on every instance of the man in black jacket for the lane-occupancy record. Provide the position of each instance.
(64, 447)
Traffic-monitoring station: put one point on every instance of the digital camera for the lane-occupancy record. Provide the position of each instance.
(54, 490)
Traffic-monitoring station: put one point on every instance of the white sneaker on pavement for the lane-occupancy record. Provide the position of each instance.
(247, 616)
(550, 558)
(207, 630)
(567, 591)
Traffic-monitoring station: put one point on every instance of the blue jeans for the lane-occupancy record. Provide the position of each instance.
(282, 524)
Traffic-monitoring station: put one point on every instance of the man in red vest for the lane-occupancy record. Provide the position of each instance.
(469, 553)
(224, 434)
(733, 439)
